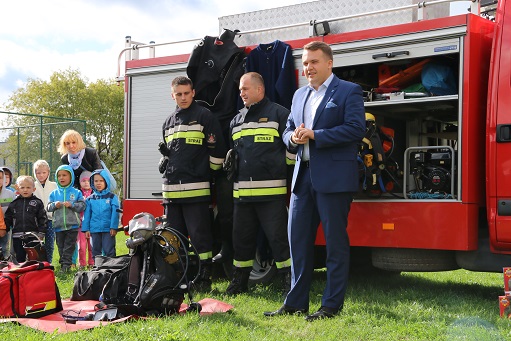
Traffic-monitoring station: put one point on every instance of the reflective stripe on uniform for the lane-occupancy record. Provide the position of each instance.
(259, 188)
(243, 264)
(255, 128)
(188, 190)
(206, 255)
(290, 158)
(284, 264)
(215, 163)
(193, 131)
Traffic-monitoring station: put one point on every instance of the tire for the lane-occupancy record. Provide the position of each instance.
(414, 259)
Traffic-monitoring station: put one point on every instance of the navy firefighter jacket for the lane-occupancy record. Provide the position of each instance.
(196, 148)
(263, 160)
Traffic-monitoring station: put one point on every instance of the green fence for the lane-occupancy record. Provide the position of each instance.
(26, 138)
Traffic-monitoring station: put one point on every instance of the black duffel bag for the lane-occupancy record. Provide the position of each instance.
(88, 285)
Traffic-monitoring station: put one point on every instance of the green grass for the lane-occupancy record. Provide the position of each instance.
(453, 305)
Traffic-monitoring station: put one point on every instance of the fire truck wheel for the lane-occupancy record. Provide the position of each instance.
(414, 259)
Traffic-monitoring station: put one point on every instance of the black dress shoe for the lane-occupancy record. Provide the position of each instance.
(285, 310)
(322, 313)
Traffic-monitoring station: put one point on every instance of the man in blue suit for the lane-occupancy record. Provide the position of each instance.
(326, 124)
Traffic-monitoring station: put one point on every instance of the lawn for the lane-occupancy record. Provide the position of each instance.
(453, 305)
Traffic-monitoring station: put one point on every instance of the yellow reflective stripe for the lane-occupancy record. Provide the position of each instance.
(290, 158)
(206, 255)
(184, 135)
(187, 194)
(257, 192)
(257, 131)
(243, 264)
(284, 264)
(215, 163)
(259, 188)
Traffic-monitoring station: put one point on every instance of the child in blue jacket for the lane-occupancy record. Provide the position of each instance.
(101, 219)
(66, 203)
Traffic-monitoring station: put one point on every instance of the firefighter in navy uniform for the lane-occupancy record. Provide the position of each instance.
(193, 149)
(260, 185)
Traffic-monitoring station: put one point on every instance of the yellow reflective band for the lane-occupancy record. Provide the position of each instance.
(185, 135)
(206, 255)
(290, 162)
(257, 192)
(284, 264)
(187, 194)
(243, 264)
(215, 166)
(262, 138)
(257, 131)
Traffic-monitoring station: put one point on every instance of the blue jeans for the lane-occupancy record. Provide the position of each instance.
(103, 241)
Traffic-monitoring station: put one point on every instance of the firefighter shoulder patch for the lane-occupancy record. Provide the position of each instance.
(211, 138)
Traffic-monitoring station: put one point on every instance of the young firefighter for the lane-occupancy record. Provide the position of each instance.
(66, 203)
(101, 219)
(25, 214)
(193, 148)
(6, 197)
(43, 187)
(84, 245)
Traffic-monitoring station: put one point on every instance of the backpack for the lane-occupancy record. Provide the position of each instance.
(156, 280)
(28, 290)
(88, 285)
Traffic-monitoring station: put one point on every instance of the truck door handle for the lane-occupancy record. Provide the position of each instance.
(503, 132)
(390, 54)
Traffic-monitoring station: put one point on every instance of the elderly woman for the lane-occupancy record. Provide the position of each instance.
(77, 155)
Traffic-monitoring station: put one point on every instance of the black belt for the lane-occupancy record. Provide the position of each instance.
(305, 163)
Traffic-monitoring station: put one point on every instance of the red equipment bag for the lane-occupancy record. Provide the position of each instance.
(28, 290)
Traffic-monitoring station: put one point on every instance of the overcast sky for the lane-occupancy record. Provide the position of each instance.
(39, 37)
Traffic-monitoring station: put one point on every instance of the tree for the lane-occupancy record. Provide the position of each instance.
(68, 95)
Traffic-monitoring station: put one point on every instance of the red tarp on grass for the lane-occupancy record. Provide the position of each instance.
(56, 322)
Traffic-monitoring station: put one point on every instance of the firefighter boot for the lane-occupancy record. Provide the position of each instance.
(239, 283)
(283, 280)
(203, 282)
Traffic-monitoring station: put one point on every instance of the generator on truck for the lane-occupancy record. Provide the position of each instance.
(439, 198)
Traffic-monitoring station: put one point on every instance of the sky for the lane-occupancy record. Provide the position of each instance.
(39, 37)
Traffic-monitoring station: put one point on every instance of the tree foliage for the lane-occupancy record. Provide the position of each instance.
(67, 95)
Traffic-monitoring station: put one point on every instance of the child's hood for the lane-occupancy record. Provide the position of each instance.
(7, 170)
(104, 174)
(68, 169)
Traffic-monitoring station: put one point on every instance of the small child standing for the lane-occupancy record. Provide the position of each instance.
(84, 246)
(25, 214)
(101, 218)
(43, 187)
(3, 233)
(6, 197)
(66, 202)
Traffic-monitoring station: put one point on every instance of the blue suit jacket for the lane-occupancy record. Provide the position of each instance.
(339, 126)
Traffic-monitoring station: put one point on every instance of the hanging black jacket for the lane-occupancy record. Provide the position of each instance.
(196, 148)
(262, 156)
(215, 67)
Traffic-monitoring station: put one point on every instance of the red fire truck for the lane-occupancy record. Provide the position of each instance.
(440, 198)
